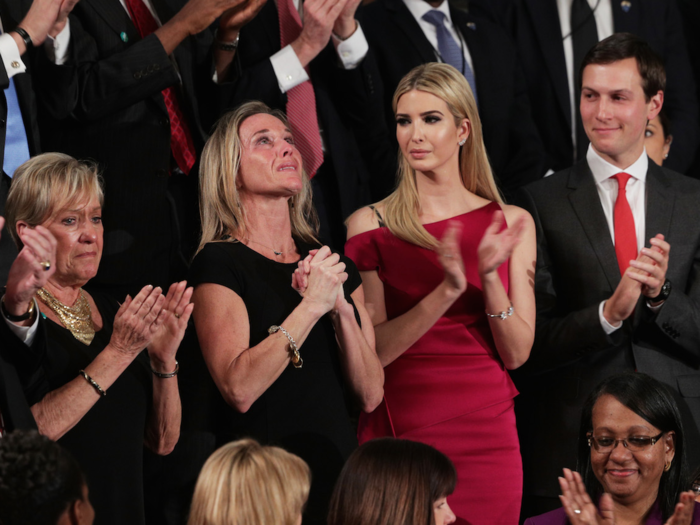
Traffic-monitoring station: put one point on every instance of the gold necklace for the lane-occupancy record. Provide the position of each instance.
(76, 318)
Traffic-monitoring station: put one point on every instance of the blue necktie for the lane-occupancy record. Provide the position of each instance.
(450, 51)
(16, 144)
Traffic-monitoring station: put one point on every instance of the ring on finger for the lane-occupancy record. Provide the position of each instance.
(46, 265)
(177, 315)
(448, 255)
(577, 511)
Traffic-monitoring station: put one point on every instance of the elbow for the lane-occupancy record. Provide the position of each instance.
(369, 405)
(239, 400)
(165, 448)
(516, 361)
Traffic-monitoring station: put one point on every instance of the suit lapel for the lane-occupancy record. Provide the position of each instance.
(629, 19)
(660, 201)
(545, 19)
(586, 203)
(116, 17)
(402, 17)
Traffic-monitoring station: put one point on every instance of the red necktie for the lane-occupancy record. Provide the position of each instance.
(301, 101)
(180, 138)
(625, 233)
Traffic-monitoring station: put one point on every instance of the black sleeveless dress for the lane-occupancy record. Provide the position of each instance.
(305, 411)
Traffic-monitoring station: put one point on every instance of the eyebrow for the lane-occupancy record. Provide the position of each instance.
(630, 430)
(424, 114)
(287, 130)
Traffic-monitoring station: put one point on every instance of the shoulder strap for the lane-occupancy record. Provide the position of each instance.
(379, 217)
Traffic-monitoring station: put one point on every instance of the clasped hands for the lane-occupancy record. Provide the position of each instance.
(581, 510)
(46, 18)
(645, 276)
(319, 279)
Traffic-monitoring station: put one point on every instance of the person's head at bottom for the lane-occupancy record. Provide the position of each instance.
(246, 483)
(388, 481)
(41, 483)
(630, 454)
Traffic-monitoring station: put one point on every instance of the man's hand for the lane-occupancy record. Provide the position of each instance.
(653, 267)
(319, 18)
(345, 24)
(624, 300)
(236, 17)
(62, 19)
(41, 20)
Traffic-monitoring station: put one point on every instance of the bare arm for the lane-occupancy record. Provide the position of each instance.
(513, 335)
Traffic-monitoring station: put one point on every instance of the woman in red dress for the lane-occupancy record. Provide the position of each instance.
(448, 276)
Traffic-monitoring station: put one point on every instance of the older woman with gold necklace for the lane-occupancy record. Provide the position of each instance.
(95, 391)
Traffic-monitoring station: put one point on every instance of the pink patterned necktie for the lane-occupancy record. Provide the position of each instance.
(181, 143)
(301, 100)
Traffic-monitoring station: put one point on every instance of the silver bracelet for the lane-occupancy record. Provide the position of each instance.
(297, 361)
(503, 315)
(168, 374)
(93, 383)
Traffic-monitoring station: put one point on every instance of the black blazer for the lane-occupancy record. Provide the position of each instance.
(576, 270)
(110, 90)
(534, 24)
(399, 44)
(254, 79)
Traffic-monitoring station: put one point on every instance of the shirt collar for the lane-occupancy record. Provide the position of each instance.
(603, 170)
(419, 7)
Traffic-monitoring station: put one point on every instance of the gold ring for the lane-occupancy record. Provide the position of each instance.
(46, 265)
(176, 315)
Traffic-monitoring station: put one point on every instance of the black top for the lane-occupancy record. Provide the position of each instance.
(108, 441)
(304, 410)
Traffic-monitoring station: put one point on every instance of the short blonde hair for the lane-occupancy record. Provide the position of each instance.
(46, 184)
(245, 483)
(402, 207)
(220, 207)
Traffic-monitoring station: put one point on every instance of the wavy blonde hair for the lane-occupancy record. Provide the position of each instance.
(402, 208)
(220, 206)
(245, 483)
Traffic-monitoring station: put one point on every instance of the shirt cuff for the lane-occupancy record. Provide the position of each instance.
(656, 308)
(607, 327)
(288, 70)
(57, 47)
(353, 49)
(10, 56)
(25, 333)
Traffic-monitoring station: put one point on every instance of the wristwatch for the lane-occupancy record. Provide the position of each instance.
(663, 293)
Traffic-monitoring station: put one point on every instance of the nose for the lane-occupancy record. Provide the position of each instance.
(287, 149)
(603, 112)
(619, 453)
(89, 232)
(416, 132)
(449, 515)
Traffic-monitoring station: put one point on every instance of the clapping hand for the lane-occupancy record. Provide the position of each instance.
(319, 19)
(177, 309)
(234, 18)
(683, 513)
(651, 266)
(137, 321)
(497, 245)
(578, 505)
(449, 254)
(345, 24)
(31, 269)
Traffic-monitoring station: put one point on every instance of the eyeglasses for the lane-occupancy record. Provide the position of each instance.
(606, 444)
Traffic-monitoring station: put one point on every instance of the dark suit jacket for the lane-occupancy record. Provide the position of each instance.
(534, 25)
(254, 79)
(576, 270)
(111, 88)
(399, 44)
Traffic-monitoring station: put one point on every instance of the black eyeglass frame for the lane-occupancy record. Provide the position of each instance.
(592, 440)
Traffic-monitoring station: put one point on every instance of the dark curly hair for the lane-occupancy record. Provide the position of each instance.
(38, 479)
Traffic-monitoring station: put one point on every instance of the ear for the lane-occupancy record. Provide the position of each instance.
(670, 446)
(464, 129)
(21, 226)
(655, 104)
(667, 145)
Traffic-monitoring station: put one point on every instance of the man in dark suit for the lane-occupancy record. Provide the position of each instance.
(140, 77)
(544, 38)
(605, 303)
(331, 47)
(401, 38)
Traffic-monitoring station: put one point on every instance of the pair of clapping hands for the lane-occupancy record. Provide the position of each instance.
(581, 510)
(319, 280)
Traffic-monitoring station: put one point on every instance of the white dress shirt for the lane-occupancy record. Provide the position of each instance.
(288, 68)
(418, 8)
(636, 196)
(56, 50)
(602, 12)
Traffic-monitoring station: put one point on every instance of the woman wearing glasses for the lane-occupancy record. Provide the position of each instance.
(631, 460)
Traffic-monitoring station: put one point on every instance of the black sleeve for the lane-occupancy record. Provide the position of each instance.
(216, 264)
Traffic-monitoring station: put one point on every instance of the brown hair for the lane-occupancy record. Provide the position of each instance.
(245, 483)
(46, 184)
(220, 209)
(621, 46)
(391, 481)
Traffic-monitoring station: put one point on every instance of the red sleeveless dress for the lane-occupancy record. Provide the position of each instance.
(450, 389)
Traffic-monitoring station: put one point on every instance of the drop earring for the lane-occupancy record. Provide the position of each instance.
(462, 142)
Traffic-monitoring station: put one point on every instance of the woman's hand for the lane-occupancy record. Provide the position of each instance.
(450, 256)
(497, 246)
(137, 321)
(175, 316)
(300, 277)
(683, 514)
(578, 505)
(326, 277)
(28, 272)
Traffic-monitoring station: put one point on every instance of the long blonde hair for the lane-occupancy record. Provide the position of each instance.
(245, 483)
(402, 208)
(220, 206)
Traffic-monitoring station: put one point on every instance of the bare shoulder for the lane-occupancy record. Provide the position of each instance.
(515, 213)
(364, 220)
